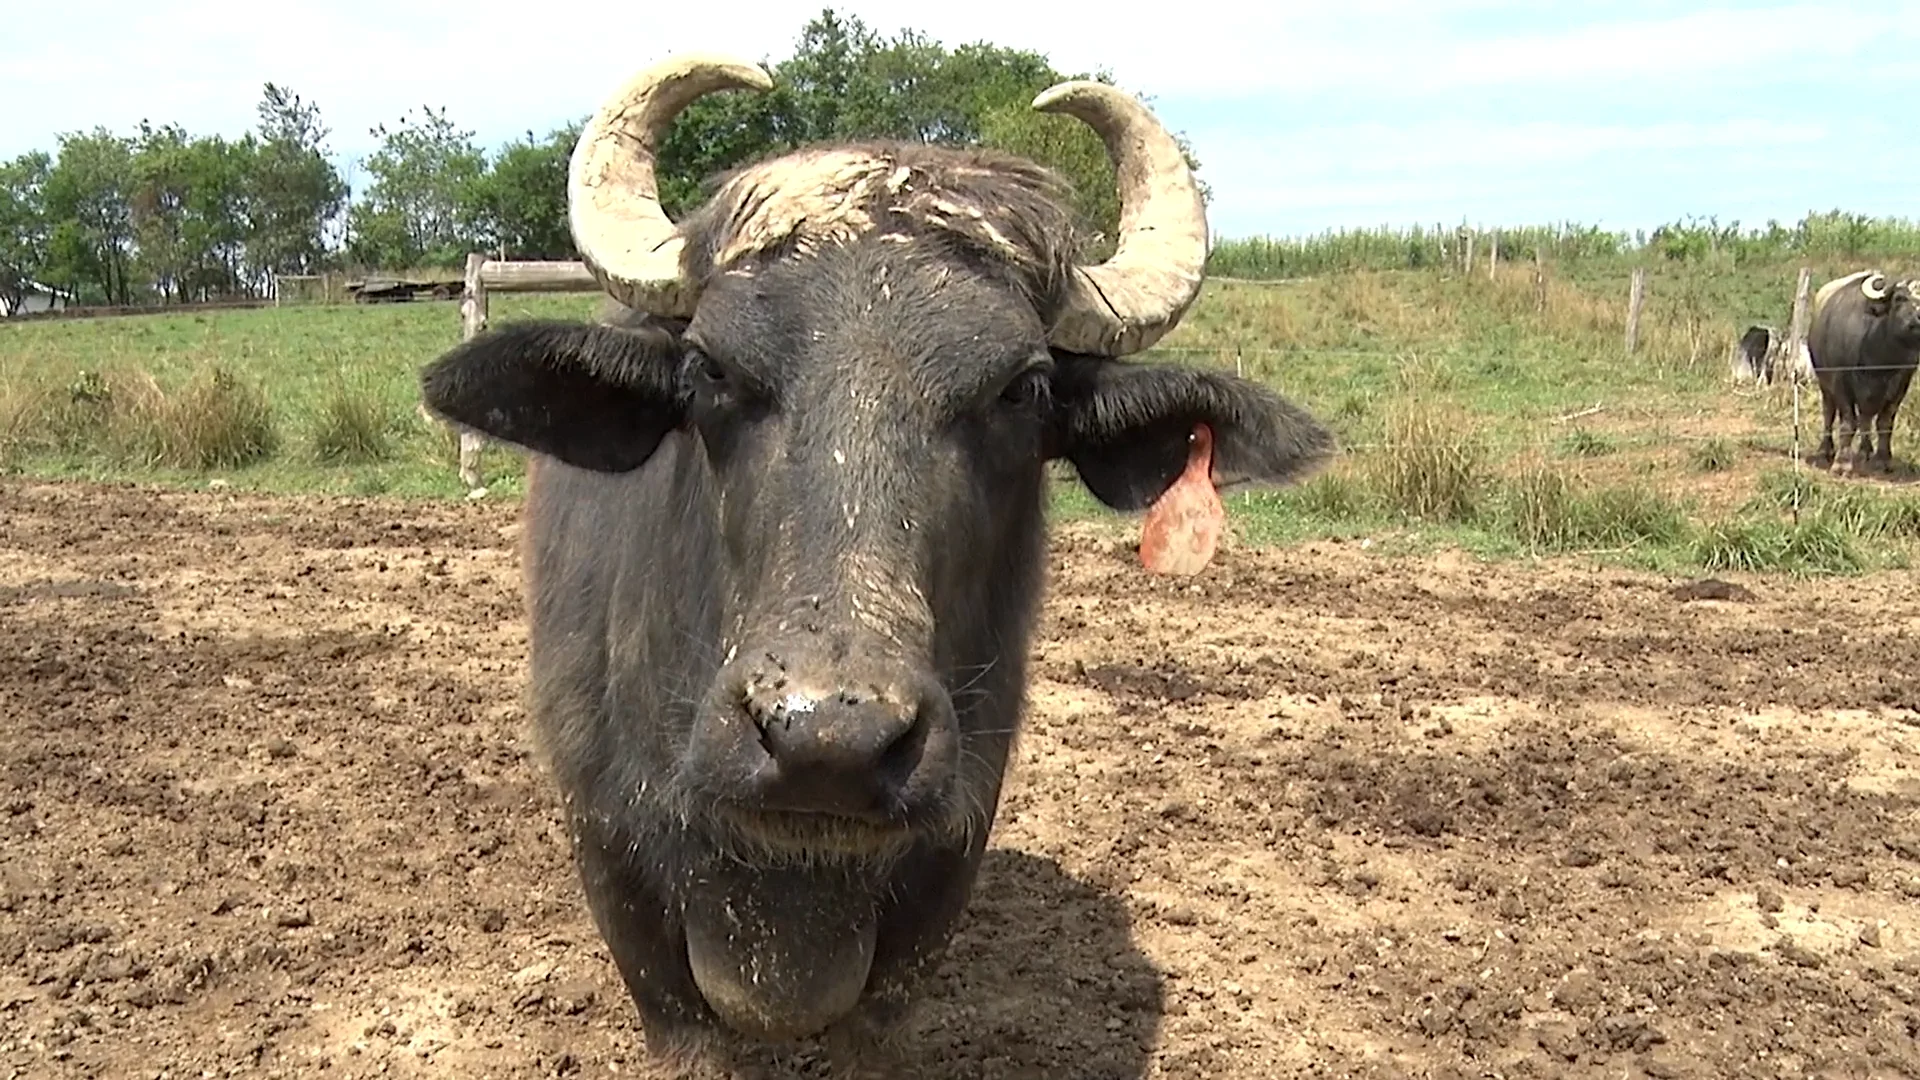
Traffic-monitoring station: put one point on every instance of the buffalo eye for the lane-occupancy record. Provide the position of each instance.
(707, 368)
(1025, 389)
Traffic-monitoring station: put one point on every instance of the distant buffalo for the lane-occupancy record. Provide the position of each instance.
(1753, 354)
(1864, 343)
(785, 536)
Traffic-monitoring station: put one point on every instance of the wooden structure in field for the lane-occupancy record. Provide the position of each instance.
(484, 276)
(387, 290)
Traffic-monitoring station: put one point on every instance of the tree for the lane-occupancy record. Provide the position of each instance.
(189, 201)
(90, 246)
(24, 227)
(156, 205)
(216, 223)
(521, 201)
(419, 208)
(843, 81)
(293, 191)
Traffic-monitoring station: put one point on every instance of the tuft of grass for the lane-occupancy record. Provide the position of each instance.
(1852, 509)
(1789, 490)
(1332, 496)
(1425, 373)
(1713, 455)
(1545, 511)
(1756, 545)
(352, 426)
(1430, 468)
(1900, 517)
(1538, 505)
(217, 421)
(93, 412)
(1632, 516)
(16, 411)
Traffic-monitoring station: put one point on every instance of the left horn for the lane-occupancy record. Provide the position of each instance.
(1134, 298)
(613, 199)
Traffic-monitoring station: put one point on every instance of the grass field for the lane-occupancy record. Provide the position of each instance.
(1470, 413)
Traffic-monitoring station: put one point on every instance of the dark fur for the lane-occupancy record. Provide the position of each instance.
(766, 494)
(1756, 352)
(1863, 353)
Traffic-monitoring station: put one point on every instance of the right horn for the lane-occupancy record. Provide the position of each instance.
(613, 200)
(1134, 298)
(1874, 286)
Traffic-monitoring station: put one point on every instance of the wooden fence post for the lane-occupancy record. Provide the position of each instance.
(1539, 282)
(473, 320)
(1797, 366)
(1636, 295)
(1493, 255)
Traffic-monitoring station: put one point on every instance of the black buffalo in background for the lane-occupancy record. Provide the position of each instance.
(1864, 343)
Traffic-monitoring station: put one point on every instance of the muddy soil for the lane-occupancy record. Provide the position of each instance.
(268, 808)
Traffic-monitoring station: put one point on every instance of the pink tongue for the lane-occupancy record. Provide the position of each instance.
(1182, 527)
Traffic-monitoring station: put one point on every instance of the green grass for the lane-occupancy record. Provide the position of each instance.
(1470, 414)
(336, 386)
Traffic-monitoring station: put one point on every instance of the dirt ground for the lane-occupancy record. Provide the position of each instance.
(268, 808)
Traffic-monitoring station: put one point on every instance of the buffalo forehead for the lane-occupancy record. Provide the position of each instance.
(884, 309)
(813, 199)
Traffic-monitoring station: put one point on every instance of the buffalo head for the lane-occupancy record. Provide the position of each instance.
(1896, 304)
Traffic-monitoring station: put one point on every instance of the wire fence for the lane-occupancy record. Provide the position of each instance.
(1448, 352)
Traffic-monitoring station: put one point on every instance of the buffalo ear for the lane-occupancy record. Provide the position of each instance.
(596, 397)
(1125, 427)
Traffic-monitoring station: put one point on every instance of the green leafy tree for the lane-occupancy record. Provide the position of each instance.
(419, 210)
(217, 222)
(90, 247)
(521, 200)
(189, 199)
(159, 175)
(293, 191)
(713, 134)
(24, 227)
(844, 81)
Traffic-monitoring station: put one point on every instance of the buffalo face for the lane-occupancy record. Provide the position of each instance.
(1899, 313)
(870, 430)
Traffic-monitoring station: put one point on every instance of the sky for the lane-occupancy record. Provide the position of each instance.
(1304, 117)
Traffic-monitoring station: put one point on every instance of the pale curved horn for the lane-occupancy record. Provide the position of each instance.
(613, 200)
(1134, 298)
(1874, 286)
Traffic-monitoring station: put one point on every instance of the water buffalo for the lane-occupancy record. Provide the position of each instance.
(784, 536)
(1864, 340)
(1753, 354)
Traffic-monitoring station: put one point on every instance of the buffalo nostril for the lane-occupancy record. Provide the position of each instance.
(899, 760)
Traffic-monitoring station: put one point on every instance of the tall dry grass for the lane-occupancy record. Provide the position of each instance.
(216, 420)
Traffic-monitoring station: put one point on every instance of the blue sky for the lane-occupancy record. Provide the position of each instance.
(1304, 117)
